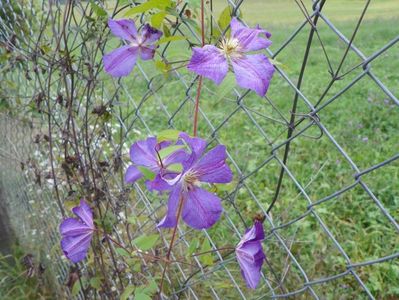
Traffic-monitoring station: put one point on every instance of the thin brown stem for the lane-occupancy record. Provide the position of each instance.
(196, 109)
(197, 97)
(172, 241)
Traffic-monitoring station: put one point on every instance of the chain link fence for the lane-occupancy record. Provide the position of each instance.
(331, 207)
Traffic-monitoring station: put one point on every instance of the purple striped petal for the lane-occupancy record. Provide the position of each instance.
(73, 227)
(212, 166)
(83, 211)
(132, 174)
(170, 218)
(77, 232)
(121, 61)
(255, 233)
(123, 28)
(150, 34)
(158, 184)
(75, 248)
(250, 39)
(210, 62)
(197, 147)
(250, 254)
(253, 72)
(142, 153)
(250, 259)
(201, 209)
(147, 52)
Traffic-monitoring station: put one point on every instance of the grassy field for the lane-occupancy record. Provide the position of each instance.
(285, 12)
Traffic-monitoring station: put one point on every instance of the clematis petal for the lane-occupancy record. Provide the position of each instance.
(170, 218)
(147, 53)
(212, 167)
(253, 72)
(210, 62)
(142, 153)
(132, 174)
(123, 28)
(75, 248)
(197, 147)
(250, 255)
(250, 271)
(175, 157)
(201, 209)
(255, 233)
(220, 174)
(83, 211)
(121, 61)
(73, 227)
(250, 39)
(158, 184)
(150, 34)
(251, 252)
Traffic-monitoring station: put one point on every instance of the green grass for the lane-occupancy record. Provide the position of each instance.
(16, 284)
(283, 12)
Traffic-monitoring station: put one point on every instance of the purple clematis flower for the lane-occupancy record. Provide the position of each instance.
(121, 61)
(251, 71)
(146, 153)
(200, 208)
(250, 254)
(77, 232)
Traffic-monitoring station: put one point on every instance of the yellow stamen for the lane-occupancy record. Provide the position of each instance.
(230, 47)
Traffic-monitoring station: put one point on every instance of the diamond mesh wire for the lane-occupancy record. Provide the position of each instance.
(306, 256)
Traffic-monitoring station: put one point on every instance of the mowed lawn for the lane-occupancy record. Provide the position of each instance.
(286, 11)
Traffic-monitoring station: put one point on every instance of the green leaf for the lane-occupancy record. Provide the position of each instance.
(194, 244)
(95, 282)
(151, 287)
(145, 242)
(131, 220)
(224, 18)
(141, 296)
(108, 222)
(146, 6)
(228, 84)
(98, 10)
(69, 204)
(165, 152)
(76, 288)
(168, 135)
(166, 31)
(162, 66)
(45, 48)
(157, 19)
(122, 252)
(147, 173)
(175, 168)
(137, 268)
(172, 38)
(127, 292)
(226, 187)
(206, 259)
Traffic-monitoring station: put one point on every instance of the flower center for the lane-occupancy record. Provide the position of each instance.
(190, 179)
(137, 42)
(230, 47)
